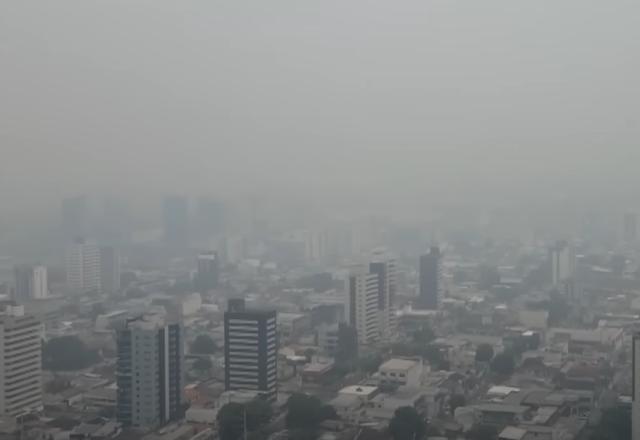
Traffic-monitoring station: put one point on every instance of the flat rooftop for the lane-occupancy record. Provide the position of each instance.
(398, 364)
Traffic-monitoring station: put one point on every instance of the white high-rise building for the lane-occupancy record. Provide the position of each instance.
(149, 370)
(384, 267)
(39, 286)
(83, 266)
(20, 362)
(563, 263)
(362, 305)
(30, 283)
(635, 390)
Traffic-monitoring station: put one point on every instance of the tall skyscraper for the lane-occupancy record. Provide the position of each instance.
(563, 263)
(250, 349)
(176, 221)
(109, 270)
(384, 267)
(23, 280)
(83, 266)
(630, 227)
(635, 388)
(40, 285)
(362, 305)
(430, 279)
(149, 371)
(20, 362)
(75, 217)
(30, 283)
(208, 272)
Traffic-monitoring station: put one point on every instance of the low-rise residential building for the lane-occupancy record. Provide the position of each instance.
(401, 372)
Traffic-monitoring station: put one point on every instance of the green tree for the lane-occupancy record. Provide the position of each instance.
(67, 353)
(307, 412)
(484, 353)
(370, 363)
(407, 424)
(203, 344)
(615, 424)
(231, 418)
(347, 350)
(558, 308)
(309, 353)
(482, 432)
(202, 364)
(424, 335)
(435, 357)
(503, 363)
(230, 421)
(456, 401)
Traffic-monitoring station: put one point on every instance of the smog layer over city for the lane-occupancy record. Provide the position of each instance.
(319, 220)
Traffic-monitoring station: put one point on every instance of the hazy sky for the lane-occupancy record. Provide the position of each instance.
(224, 96)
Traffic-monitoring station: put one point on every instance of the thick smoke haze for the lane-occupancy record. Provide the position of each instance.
(442, 98)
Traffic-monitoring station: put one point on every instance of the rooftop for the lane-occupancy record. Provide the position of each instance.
(359, 390)
(512, 433)
(398, 364)
(499, 407)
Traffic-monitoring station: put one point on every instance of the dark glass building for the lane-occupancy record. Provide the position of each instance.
(250, 350)
(430, 279)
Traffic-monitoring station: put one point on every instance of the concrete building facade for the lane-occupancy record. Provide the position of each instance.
(149, 371)
(20, 362)
(83, 266)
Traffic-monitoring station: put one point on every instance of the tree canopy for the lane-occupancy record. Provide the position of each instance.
(307, 412)
(482, 432)
(203, 344)
(456, 401)
(484, 353)
(503, 363)
(407, 424)
(202, 364)
(347, 350)
(231, 418)
(614, 425)
(371, 363)
(67, 353)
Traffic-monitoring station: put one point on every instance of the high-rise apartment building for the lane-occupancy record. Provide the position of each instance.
(149, 371)
(431, 287)
(250, 349)
(176, 221)
(208, 271)
(635, 388)
(30, 283)
(563, 263)
(109, 270)
(83, 266)
(384, 267)
(362, 305)
(23, 282)
(20, 362)
(40, 284)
